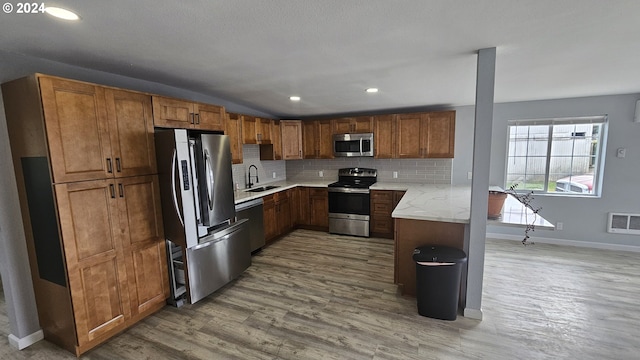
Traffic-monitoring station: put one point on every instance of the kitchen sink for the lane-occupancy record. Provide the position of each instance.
(263, 188)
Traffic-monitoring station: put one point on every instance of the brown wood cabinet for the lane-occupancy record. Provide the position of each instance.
(291, 131)
(233, 128)
(425, 135)
(304, 211)
(382, 204)
(249, 128)
(383, 136)
(270, 219)
(273, 149)
(96, 243)
(176, 113)
(263, 130)
(359, 124)
(319, 208)
(317, 139)
(277, 215)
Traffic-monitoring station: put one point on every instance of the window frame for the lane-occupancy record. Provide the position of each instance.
(550, 123)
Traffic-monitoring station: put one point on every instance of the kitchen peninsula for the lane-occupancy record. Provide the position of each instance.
(439, 214)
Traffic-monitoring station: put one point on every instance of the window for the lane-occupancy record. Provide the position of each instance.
(556, 156)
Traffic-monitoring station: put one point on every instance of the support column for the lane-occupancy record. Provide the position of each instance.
(485, 81)
(19, 297)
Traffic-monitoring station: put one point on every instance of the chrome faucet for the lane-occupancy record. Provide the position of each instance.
(249, 184)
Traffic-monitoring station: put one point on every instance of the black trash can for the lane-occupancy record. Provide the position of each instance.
(438, 270)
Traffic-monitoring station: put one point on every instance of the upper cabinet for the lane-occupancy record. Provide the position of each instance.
(425, 135)
(175, 113)
(383, 137)
(256, 130)
(271, 150)
(291, 131)
(233, 128)
(359, 124)
(263, 130)
(317, 139)
(95, 132)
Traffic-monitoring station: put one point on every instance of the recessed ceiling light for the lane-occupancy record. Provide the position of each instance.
(61, 13)
(372, 90)
(294, 98)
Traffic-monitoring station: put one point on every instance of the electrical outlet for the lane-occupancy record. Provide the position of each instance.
(395, 174)
(469, 175)
(274, 174)
(559, 226)
(321, 173)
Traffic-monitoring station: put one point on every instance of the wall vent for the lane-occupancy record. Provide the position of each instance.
(620, 223)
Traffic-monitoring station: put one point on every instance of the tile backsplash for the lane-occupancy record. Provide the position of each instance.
(266, 168)
(426, 171)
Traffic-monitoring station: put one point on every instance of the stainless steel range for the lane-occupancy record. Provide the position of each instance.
(349, 201)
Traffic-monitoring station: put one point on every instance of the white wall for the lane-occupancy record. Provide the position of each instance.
(584, 219)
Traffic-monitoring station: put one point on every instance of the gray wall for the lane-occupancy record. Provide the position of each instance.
(14, 265)
(584, 219)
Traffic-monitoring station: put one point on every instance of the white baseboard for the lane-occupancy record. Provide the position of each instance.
(26, 341)
(473, 313)
(555, 241)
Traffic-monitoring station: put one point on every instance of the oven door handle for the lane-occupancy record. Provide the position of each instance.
(349, 190)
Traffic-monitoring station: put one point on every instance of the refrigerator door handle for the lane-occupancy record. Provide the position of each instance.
(210, 179)
(174, 160)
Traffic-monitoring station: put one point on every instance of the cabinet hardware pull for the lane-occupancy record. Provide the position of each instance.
(192, 118)
(118, 165)
(109, 166)
(113, 191)
(197, 118)
(121, 189)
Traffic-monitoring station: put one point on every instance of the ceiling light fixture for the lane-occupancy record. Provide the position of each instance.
(61, 13)
(294, 98)
(372, 90)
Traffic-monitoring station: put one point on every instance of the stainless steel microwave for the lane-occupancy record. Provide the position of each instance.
(353, 145)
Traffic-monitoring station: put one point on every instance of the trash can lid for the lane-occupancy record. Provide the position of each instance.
(438, 253)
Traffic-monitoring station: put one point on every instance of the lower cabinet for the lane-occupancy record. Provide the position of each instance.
(277, 215)
(114, 252)
(382, 204)
(319, 208)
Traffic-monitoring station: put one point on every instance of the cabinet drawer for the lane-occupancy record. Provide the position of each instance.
(383, 208)
(382, 195)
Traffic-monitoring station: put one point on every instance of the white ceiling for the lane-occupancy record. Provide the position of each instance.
(418, 52)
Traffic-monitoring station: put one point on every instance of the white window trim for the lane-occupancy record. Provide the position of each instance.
(598, 175)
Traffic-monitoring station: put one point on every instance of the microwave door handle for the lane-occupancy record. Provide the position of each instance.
(209, 178)
(361, 147)
(174, 163)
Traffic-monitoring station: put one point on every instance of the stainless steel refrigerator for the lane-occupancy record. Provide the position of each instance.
(206, 246)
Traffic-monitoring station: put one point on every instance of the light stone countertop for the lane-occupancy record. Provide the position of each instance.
(243, 195)
(446, 203)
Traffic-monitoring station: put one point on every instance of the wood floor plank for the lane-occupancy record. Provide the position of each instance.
(312, 295)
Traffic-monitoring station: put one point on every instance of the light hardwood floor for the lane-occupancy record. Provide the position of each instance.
(318, 296)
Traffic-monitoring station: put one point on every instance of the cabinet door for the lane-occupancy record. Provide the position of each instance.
(143, 243)
(291, 131)
(270, 220)
(131, 128)
(383, 137)
(381, 209)
(319, 207)
(77, 131)
(309, 138)
(440, 134)
(249, 130)
(284, 213)
(263, 131)
(362, 124)
(276, 139)
(294, 206)
(304, 207)
(172, 113)
(93, 251)
(233, 128)
(209, 117)
(325, 139)
(408, 135)
(342, 126)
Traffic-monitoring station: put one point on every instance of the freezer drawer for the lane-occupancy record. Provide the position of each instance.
(212, 264)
